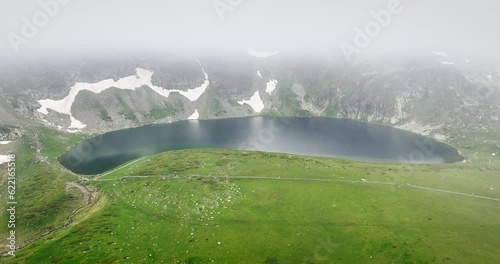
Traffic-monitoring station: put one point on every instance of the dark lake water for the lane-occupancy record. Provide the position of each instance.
(325, 137)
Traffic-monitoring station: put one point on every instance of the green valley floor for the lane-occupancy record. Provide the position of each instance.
(225, 206)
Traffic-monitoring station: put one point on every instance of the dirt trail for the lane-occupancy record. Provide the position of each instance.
(119, 168)
(38, 148)
(309, 179)
(87, 192)
(91, 198)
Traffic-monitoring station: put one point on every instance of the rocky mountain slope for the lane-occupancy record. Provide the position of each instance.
(447, 100)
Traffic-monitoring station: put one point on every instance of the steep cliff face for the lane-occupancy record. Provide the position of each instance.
(102, 95)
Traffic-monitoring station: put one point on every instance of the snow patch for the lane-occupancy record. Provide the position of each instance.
(258, 74)
(261, 54)
(5, 159)
(142, 78)
(195, 94)
(271, 86)
(63, 106)
(194, 116)
(447, 63)
(493, 154)
(75, 124)
(4, 142)
(255, 102)
(73, 131)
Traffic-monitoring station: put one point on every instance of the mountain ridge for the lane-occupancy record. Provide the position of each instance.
(439, 100)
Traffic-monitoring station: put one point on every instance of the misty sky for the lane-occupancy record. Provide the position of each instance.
(98, 26)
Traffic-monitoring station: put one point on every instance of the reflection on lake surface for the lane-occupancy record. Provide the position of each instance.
(306, 136)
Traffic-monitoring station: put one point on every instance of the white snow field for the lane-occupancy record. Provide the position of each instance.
(194, 116)
(271, 86)
(255, 102)
(142, 78)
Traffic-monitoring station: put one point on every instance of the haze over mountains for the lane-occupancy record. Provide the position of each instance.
(97, 27)
(334, 80)
(439, 94)
(418, 65)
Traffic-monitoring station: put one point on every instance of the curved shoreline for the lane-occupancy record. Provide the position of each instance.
(352, 140)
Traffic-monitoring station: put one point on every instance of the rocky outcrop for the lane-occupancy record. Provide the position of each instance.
(10, 133)
(429, 95)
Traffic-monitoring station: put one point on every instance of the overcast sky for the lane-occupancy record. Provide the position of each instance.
(124, 25)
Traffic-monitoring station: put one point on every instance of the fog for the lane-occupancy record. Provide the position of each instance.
(320, 26)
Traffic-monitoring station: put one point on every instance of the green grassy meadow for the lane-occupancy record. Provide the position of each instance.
(225, 206)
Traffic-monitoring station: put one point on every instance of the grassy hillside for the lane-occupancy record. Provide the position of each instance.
(221, 206)
(44, 194)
